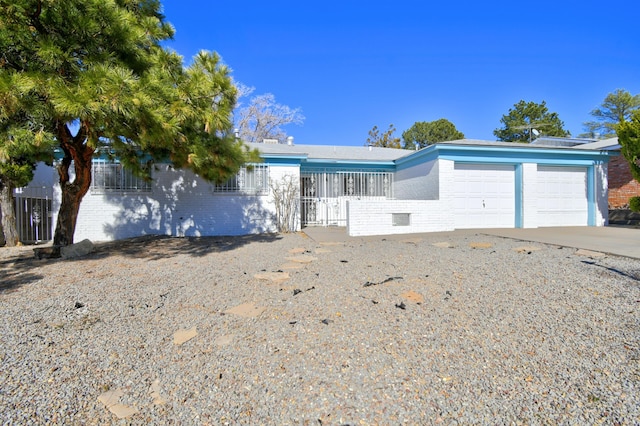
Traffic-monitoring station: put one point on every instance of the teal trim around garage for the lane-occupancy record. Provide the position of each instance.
(518, 195)
(519, 153)
(516, 159)
(515, 154)
(591, 196)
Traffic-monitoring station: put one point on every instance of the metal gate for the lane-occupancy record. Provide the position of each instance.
(33, 214)
(324, 194)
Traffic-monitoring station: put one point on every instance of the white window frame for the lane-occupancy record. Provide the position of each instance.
(112, 177)
(252, 179)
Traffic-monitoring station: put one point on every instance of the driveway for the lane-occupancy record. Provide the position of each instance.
(618, 240)
(622, 241)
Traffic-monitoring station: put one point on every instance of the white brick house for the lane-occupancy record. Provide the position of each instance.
(370, 191)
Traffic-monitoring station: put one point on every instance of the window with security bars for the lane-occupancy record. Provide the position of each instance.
(112, 177)
(348, 184)
(251, 179)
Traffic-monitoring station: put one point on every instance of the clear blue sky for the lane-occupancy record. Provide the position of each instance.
(350, 65)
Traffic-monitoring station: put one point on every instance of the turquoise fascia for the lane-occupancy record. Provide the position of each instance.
(503, 155)
(283, 160)
(346, 165)
(307, 164)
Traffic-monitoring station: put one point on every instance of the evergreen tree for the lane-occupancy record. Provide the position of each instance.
(616, 108)
(524, 117)
(426, 133)
(103, 79)
(629, 139)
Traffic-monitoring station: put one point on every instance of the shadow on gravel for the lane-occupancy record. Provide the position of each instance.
(161, 247)
(16, 272)
(635, 277)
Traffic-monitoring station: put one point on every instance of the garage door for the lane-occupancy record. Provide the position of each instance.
(562, 196)
(484, 196)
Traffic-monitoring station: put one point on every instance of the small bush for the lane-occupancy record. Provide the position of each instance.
(634, 204)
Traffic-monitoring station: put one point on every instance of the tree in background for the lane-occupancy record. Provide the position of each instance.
(424, 133)
(104, 81)
(616, 108)
(384, 140)
(263, 118)
(629, 138)
(524, 117)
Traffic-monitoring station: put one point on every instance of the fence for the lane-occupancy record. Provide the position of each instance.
(33, 207)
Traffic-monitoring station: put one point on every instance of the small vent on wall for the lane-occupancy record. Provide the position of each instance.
(401, 219)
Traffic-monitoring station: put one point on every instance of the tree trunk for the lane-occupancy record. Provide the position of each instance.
(77, 151)
(9, 226)
(72, 194)
(67, 215)
(2, 241)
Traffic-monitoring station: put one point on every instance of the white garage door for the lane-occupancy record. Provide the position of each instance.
(562, 196)
(484, 196)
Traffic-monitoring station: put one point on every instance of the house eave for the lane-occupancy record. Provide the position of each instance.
(498, 152)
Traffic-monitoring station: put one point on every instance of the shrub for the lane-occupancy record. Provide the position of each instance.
(634, 204)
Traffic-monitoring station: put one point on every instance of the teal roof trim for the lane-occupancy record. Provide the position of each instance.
(316, 164)
(504, 155)
(283, 159)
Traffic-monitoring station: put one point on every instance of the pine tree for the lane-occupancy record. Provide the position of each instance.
(105, 81)
(524, 117)
(616, 108)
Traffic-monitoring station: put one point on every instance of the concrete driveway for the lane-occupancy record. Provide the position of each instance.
(618, 240)
(622, 241)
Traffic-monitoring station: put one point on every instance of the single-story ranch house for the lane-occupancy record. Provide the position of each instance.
(370, 191)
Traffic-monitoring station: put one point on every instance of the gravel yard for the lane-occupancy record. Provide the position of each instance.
(285, 330)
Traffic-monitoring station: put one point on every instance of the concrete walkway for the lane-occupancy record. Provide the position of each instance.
(618, 240)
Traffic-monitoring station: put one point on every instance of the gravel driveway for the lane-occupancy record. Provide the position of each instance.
(285, 330)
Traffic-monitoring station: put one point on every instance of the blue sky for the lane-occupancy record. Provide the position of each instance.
(350, 65)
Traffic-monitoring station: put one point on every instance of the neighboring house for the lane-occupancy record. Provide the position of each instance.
(622, 185)
(370, 191)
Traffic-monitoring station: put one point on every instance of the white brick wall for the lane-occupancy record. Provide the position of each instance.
(180, 204)
(432, 180)
(375, 217)
(417, 183)
(446, 183)
(529, 195)
(44, 175)
(602, 195)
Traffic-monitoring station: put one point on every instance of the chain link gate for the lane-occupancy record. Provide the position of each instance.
(324, 194)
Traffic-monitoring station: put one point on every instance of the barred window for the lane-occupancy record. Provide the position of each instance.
(112, 177)
(348, 184)
(251, 179)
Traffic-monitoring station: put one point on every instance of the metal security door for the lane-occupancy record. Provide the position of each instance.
(320, 206)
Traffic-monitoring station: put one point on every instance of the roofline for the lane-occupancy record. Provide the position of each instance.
(524, 152)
